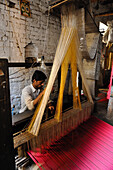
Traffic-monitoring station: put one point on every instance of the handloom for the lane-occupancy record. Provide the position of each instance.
(42, 135)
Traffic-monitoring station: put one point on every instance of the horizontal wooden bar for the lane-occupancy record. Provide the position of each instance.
(57, 4)
(54, 2)
(27, 65)
(103, 14)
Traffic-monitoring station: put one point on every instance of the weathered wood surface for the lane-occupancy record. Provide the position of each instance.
(22, 138)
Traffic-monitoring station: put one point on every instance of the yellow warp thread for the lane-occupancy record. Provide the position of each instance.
(70, 58)
(63, 45)
(110, 58)
(64, 70)
(34, 116)
(76, 97)
(66, 48)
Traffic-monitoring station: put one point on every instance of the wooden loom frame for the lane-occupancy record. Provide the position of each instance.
(53, 130)
(70, 120)
(77, 116)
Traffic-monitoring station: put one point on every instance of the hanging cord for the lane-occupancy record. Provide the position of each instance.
(45, 39)
(16, 72)
(19, 71)
(17, 77)
(33, 65)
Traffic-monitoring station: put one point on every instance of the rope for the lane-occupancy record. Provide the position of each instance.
(45, 41)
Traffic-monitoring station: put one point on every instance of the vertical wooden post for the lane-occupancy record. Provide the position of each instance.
(6, 137)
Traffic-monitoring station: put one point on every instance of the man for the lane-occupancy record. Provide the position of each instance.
(32, 93)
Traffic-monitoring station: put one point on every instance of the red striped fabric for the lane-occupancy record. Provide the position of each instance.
(90, 146)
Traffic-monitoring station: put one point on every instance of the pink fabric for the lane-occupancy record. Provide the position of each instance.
(90, 146)
(110, 84)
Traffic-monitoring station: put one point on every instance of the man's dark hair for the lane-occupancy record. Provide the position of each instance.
(38, 75)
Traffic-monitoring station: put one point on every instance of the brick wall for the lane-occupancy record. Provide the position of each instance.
(16, 31)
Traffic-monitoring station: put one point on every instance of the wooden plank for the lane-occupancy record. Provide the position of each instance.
(22, 138)
(103, 14)
(6, 141)
(20, 64)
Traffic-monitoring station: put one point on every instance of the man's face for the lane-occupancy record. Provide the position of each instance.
(38, 84)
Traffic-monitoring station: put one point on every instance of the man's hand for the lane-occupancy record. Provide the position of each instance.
(51, 108)
(38, 97)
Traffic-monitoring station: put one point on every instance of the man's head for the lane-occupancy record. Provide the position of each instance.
(38, 79)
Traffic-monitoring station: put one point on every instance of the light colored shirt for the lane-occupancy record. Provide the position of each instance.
(29, 93)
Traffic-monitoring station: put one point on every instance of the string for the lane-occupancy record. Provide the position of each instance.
(46, 31)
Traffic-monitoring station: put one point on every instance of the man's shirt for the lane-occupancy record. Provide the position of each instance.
(29, 93)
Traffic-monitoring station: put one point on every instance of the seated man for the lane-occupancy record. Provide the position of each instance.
(32, 93)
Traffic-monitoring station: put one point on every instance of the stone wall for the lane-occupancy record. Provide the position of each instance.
(16, 31)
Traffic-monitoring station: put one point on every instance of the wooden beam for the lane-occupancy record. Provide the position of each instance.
(53, 6)
(103, 15)
(54, 2)
(27, 65)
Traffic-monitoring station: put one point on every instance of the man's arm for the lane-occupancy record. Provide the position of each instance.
(35, 101)
(30, 103)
